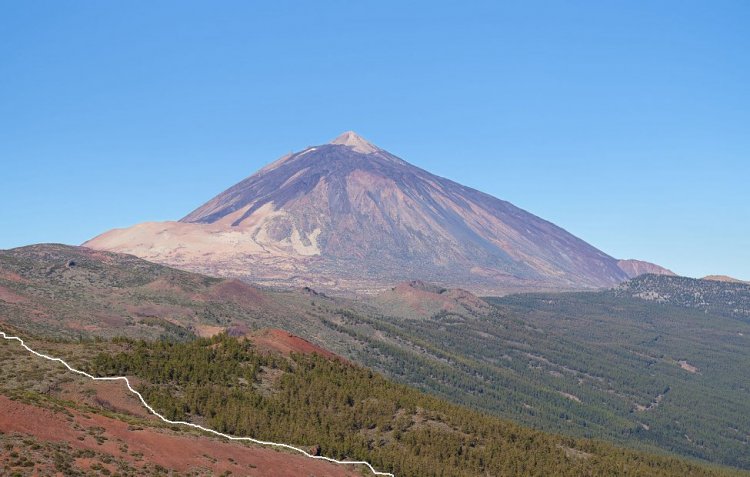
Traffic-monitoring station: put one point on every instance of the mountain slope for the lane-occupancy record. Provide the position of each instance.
(349, 215)
(635, 268)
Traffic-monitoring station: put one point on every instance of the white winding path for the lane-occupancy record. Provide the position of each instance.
(190, 424)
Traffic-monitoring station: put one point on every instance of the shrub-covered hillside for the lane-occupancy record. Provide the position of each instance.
(351, 412)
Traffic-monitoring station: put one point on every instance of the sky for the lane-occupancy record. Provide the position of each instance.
(626, 122)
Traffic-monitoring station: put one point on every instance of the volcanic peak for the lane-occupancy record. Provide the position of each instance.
(356, 142)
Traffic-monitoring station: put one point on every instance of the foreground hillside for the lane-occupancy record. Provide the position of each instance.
(61, 423)
(55, 423)
(607, 365)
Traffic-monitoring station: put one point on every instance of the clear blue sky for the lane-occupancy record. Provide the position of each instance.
(625, 122)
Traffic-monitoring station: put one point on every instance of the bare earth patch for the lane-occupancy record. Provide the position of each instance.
(688, 367)
(570, 396)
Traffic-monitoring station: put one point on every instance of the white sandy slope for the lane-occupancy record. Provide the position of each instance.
(206, 247)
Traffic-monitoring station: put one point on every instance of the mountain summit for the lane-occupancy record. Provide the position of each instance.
(356, 142)
(349, 215)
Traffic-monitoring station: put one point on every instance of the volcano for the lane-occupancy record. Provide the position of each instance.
(349, 215)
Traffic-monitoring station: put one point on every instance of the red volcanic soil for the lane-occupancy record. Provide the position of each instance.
(426, 299)
(280, 341)
(110, 395)
(12, 277)
(181, 453)
(171, 286)
(10, 297)
(238, 292)
(415, 298)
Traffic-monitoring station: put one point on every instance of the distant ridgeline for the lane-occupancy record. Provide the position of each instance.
(727, 298)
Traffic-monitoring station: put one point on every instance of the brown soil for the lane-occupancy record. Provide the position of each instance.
(109, 395)
(239, 292)
(280, 341)
(180, 452)
(8, 296)
(207, 331)
(12, 277)
(421, 299)
(688, 367)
